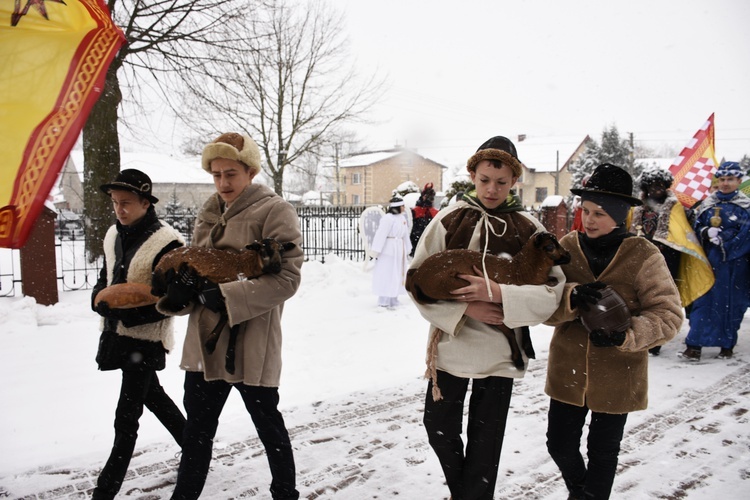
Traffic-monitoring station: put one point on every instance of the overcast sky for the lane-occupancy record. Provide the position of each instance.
(461, 72)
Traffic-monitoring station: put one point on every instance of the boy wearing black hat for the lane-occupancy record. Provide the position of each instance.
(134, 339)
(723, 225)
(602, 368)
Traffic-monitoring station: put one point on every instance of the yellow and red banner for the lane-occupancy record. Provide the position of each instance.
(694, 168)
(54, 56)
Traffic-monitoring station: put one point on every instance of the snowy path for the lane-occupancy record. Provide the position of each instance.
(381, 446)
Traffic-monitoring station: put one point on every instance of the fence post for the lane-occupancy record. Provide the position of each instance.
(38, 268)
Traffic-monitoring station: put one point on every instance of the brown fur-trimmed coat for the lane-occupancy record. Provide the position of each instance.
(612, 379)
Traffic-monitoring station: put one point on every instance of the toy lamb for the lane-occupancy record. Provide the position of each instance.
(436, 277)
(220, 266)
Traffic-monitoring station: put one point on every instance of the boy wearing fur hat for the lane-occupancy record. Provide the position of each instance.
(466, 346)
(134, 339)
(723, 225)
(239, 213)
(605, 370)
(662, 220)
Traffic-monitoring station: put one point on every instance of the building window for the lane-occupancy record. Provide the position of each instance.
(541, 194)
(356, 178)
(355, 199)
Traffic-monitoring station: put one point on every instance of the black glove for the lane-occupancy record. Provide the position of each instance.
(585, 295)
(103, 309)
(181, 290)
(211, 297)
(602, 338)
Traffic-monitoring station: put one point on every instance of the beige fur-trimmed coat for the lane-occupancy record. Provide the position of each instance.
(612, 379)
(257, 304)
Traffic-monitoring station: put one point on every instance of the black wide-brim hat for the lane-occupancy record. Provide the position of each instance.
(134, 181)
(611, 180)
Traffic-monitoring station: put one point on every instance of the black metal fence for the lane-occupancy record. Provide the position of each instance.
(325, 231)
(331, 230)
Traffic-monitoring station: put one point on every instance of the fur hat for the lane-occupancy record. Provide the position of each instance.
(497, 148)
(610, 180)
(655, 175)
(134, 181)
(232, 146)
(729, 169)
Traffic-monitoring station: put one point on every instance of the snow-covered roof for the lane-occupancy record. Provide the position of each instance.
(552, 201)
(161, 168)
(367, 159)
(540, 153)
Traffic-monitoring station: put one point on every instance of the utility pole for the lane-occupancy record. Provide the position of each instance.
(632, 153)
(557, 172)
(338, 179)
(556, 175)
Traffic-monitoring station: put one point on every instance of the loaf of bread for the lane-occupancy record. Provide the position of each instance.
(126, 296)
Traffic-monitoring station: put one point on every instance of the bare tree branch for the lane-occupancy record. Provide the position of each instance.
(287, 84)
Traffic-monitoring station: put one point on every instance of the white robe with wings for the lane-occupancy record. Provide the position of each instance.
(392, 245)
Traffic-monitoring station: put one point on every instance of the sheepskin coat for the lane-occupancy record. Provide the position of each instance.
(255, 305)
(469, 348)
(130, 255)
(612, 379)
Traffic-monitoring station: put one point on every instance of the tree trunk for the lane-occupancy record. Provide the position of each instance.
(101, 163)
(278, 182)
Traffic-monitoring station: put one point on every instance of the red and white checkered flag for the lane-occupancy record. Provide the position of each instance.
(693, 169)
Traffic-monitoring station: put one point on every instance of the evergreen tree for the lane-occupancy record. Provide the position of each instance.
(176, 216)
(745, 164)
(459, 186)
(619, 152)
(173, 206)
(612, 150)
(583, 166)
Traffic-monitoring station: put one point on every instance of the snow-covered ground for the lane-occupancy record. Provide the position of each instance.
(351, 394)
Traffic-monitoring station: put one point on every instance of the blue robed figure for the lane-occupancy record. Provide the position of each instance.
(723, 224)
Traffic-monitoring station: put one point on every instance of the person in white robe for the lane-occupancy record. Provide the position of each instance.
(391, 246)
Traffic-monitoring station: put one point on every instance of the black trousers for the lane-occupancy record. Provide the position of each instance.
(139, 388)
(204, 402)
(564, 430)
(471, 475)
